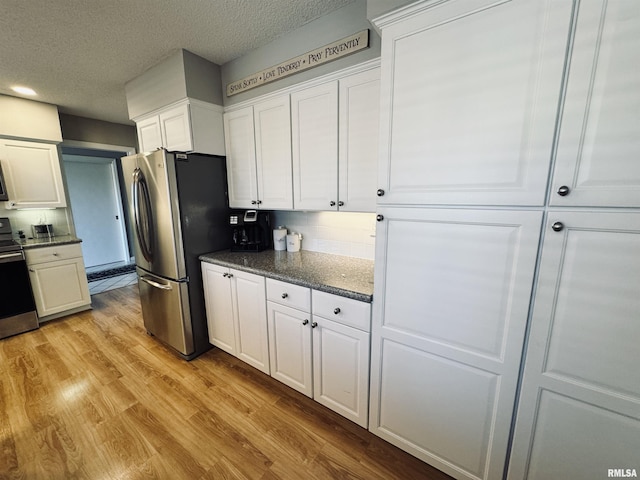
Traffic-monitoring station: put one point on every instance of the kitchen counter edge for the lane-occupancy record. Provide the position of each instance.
(263, 263)
(49, 242)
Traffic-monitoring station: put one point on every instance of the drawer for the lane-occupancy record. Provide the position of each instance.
(52, 254)
(289, 294)
(342, 310)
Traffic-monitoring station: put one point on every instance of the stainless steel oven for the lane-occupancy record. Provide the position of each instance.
(17, 308)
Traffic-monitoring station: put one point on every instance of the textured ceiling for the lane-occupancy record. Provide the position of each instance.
(78, 54)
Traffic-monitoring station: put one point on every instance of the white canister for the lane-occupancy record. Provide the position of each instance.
(280, 238)
(293, 242)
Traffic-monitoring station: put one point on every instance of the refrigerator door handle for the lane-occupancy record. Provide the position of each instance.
(144, 232)
(155, 284)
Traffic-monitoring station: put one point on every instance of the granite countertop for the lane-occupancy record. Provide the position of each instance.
(48, 242)
(345, 276)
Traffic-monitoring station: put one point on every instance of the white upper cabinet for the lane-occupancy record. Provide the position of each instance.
(258, 143)
(272, 120)
(470, 93)
(188, 126)
(359, 119)
(175, 126)
(32, 174)
(598, 159)
(149, 135)
(314, 129)
(241, 158)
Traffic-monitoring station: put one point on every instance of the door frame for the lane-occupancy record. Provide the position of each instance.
(76, 147)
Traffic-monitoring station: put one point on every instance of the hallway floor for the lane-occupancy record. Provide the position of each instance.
(104, 284)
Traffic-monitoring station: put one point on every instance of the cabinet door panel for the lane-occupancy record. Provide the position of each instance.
(219, 307)
(599, 144)
(175, 126)
(314, 128)
(252, 342)
(290, 347)
(149, 134)
(447, 332)
(59, 286)
(241, 158)
(579, 410)
(341, 369)
(359, 133)
(472, 121)
(32, 174)
(273, 153)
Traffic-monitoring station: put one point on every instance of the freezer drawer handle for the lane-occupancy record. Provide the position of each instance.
(155, 284)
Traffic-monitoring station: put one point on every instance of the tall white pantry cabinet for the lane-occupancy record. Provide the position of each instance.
(509, 238)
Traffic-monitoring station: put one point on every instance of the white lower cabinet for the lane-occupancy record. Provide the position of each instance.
(58, 280)
(341, 355)
(318, 351)
(322, 352)
(236, 315)
(579, 409)
(290, 351)
(452, 291)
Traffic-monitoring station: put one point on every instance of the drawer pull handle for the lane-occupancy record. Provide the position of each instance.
(55, 254)
(336, 310)
(314, 324)
(285, 295)
(305, 321)
(557, 226)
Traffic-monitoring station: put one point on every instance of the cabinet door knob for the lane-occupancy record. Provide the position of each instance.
(336, 310)
(229, 275)
(55, 254)
(379, 217)
(253, 202)
(341, 203)
(332, 203)
(557, 226)
(563, 191)
(305, 321)
(380, 192)
(285, 295)
(32, 270)
(225, 275)
(314, 324)
(259, 202)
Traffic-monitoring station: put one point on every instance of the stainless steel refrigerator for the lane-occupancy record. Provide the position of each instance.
(178, 208)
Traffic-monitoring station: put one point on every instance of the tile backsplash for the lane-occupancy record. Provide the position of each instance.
(59, 218)
(339, 233)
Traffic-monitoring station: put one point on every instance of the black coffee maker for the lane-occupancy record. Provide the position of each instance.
(251, 231)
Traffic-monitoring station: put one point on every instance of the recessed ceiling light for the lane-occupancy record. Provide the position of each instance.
(24, 90)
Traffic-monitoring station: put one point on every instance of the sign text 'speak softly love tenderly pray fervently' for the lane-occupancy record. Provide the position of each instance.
(327, 53)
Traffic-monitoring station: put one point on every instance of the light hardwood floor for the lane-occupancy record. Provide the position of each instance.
(91, 396)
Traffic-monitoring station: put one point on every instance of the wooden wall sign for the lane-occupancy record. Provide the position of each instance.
(319, 56)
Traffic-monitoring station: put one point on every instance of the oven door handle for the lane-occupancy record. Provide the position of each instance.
(11, 257)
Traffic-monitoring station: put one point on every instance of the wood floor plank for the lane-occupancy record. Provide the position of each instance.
(92, 396)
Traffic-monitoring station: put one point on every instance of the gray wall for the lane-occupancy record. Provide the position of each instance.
(96, 131)
(182, 74)
(322, 31)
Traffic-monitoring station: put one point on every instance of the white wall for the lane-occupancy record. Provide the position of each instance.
(339, 233)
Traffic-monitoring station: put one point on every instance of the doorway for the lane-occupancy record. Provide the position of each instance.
(94, 193)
